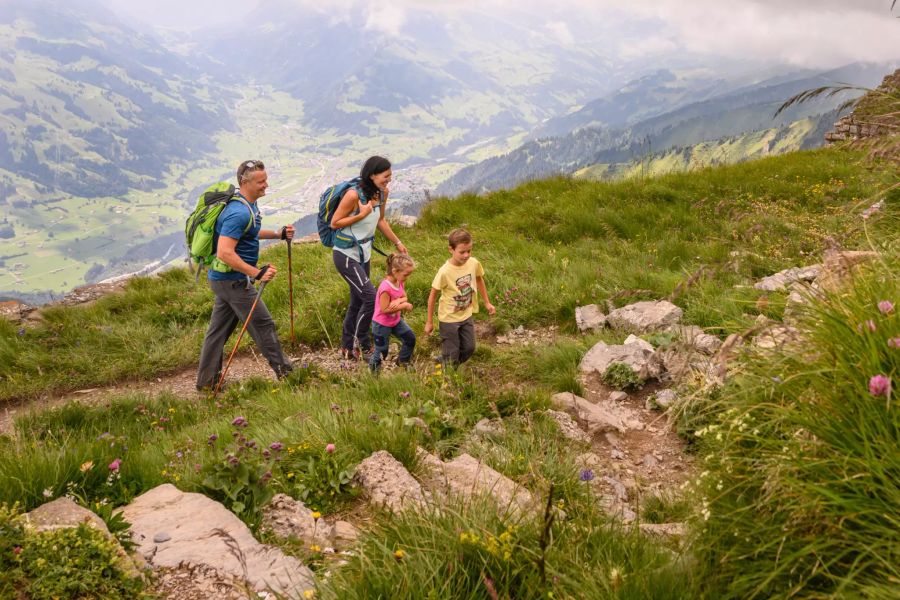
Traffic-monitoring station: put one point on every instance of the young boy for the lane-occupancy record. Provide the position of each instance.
(454, 281)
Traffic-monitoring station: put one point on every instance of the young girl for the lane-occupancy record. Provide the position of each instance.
(390, 302)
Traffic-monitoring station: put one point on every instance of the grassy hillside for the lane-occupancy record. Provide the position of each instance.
(777, 473)
(547, 247)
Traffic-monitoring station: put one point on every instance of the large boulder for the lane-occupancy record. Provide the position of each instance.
(386, 482)
(589, 318)
(193, 530)
(639, 356)
(63, 513)
(645, 317)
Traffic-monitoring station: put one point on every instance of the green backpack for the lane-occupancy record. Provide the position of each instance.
(200, 226)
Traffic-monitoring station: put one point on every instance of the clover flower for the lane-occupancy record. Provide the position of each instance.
(886, 307)
(894, 343)
(330, 448)
(880, 385)
(114, 465)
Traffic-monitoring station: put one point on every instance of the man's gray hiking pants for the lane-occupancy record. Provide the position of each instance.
(232, 305)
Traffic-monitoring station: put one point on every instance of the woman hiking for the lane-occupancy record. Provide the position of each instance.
(359, 214)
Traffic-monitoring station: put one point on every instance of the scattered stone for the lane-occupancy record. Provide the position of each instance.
(618, 396)
(598, 418)
(468, 476)
(649, 461)
(345, 534)
(489, 428)
(695, 338)
(206, 534)
(644, 317)
(386, 482)
(568, 427)
(404, 220)
(781, 280)
(633, 339)
(663, 399)
(589, 318)
(618, 488)
(641, 360)
(161, 537)
(776, 337)
(290, 518)
(63, 513)
(617, 454)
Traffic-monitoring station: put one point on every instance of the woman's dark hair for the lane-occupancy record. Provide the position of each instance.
(373, 166)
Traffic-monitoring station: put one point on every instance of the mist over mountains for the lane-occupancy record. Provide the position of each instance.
(108, 128)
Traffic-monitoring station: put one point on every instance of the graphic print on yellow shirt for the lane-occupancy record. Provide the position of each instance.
(463, 299)
(459, 297)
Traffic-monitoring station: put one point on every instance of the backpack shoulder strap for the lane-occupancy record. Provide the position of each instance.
(249, 209)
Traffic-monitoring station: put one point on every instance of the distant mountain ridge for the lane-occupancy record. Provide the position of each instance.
(737, 112)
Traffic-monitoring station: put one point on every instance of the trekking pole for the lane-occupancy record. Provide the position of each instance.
(291, 291)
(240, 335)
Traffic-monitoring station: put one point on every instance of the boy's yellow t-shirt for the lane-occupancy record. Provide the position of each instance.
(459, 296)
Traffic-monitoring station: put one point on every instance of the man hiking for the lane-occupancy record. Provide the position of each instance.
(231, 275)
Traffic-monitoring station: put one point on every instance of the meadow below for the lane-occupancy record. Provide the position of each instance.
(798, 491)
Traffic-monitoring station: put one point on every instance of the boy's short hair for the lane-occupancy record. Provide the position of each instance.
(459, 236)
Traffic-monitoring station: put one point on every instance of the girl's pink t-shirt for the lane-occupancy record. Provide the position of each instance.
(393, 293)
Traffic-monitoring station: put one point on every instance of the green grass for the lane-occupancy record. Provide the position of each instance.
(801, 488)
(547, 247)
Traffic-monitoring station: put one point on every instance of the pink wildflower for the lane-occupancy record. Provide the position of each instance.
(329, 448)
(894, 343)
(114, 465)
(886, 307)
(880, 385)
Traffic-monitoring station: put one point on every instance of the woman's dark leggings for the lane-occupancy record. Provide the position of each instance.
(358, 320)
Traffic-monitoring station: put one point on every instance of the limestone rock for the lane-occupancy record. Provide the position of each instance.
(597, 418)
(287, 517)
(776, 336)
(489, 427)
(644, 317)
(664, 398)
(633, 339)
(386, 482)
(468, 476)
(568, 427)
(63, 513)
(781, 280)
(589, 318)
(618, 396)
(641, 360)
(695, 338)
(404, 220)
(206, 534)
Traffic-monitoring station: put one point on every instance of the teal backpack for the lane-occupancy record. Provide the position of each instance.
(200, 226)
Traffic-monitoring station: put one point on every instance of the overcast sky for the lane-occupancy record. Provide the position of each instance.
(811, 33)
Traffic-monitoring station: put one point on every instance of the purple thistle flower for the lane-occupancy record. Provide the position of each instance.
(212, 439)
(239, 422)
(266, 453)
(250, 443)
(894, 343)
(276, 446)
(266, 477)
(886, 307)
(233, 460)
(880, 385)
(586, 475)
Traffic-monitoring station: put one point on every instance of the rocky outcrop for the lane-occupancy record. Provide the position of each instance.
(568, 427)
(195, 531)
(63, 513)
(597, 418)
(385, 482)
(638, 355)
(783, 279)
(644, 317)
(467, 476)
(289, 518)
(589, 318)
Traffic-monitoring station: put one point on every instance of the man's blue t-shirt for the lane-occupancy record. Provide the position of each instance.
(231, 223)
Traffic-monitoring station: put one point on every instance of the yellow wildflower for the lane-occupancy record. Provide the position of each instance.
(399, 554)
(316, 515)
(85, 467)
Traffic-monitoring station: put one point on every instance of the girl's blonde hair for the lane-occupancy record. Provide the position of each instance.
(399, 262)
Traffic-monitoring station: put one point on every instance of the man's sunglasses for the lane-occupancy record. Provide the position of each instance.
(250, 166)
